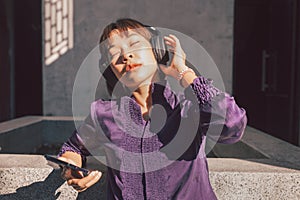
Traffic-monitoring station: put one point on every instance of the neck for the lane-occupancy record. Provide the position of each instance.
(143, 93)
(143, 97)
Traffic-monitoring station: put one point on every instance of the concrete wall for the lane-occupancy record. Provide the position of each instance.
(39, 135)
(210, 22)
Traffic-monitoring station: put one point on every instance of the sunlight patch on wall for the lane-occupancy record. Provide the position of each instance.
(58, 26)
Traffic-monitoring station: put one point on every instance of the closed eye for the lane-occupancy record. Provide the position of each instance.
(114, 54)
(134, 43)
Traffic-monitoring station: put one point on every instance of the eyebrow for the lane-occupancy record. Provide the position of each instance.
(130, 35)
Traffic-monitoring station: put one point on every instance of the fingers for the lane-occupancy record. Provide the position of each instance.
(86, 182)
(77, 174)
(66, 173)
(172, 41)
(174, 44)
(95, 178)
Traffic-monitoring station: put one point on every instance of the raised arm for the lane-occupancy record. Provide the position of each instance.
(221, 119)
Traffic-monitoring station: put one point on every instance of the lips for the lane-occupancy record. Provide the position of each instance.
(130, 67)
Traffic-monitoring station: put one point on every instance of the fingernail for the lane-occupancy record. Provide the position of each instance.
(93, 173)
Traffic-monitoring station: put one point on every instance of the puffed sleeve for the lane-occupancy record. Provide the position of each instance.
(221, 119)
(75, 143)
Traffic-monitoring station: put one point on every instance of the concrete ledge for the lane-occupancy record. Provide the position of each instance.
(258, 167)
(29, 120)
(35, 132)
(29, 177)
(256, 144)
(272, 147)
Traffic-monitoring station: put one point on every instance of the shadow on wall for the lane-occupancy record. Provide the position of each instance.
(47, 190)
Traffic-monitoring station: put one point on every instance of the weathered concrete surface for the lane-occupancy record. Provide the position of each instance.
(237, 185)
(29, 177)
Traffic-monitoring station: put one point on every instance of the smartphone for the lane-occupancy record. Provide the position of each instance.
(66, 164)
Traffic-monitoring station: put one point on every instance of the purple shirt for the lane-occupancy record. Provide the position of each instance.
(163, 157)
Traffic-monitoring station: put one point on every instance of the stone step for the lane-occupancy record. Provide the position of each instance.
(29, 177)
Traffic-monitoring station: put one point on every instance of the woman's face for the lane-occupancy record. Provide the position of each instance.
(132, 58)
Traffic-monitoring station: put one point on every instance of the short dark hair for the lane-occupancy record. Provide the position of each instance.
(124, 25)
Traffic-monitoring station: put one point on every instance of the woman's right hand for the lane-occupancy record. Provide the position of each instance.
(76, 178)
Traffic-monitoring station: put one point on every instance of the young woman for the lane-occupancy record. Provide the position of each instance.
(153, 139)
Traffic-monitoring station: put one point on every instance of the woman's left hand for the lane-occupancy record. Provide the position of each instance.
(177, 63)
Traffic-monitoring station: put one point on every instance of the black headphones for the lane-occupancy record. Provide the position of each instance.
(158, 46)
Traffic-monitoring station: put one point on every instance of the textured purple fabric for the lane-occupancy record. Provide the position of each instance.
(118, 129)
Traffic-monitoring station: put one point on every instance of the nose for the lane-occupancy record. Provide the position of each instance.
(127, 56)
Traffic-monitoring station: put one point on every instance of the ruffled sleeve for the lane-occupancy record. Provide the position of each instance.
(221, 119)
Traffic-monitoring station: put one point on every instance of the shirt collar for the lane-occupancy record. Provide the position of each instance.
(161, 94)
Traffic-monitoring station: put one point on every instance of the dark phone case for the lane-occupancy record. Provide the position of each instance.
(63, 163)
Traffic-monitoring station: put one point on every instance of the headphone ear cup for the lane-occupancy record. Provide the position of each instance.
(159, 47)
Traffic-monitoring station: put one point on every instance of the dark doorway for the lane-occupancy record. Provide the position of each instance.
(5, 62)
(28, 57)
(264, 65)
(21, 58)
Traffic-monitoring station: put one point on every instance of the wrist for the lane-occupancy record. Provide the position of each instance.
(183, 72)
(181, 68)
(187, 77)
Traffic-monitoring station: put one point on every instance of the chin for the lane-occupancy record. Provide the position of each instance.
(136, 84)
